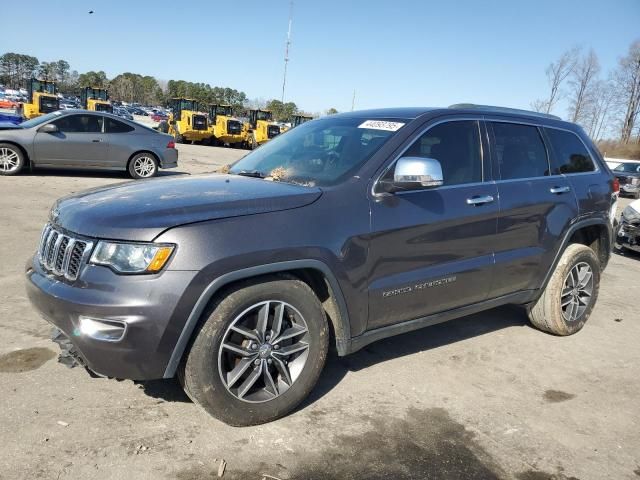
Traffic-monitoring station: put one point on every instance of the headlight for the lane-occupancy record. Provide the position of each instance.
(132, 257)
(630, 214)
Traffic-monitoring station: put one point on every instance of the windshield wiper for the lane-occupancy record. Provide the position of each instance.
(251, 173)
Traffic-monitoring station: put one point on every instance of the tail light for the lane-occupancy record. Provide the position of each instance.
(616, 185)
(171, 144)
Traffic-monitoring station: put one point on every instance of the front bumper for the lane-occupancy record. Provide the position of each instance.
(628, 236)
(629, 188)
(146, 303)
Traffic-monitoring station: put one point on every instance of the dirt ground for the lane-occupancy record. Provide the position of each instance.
(481, 397)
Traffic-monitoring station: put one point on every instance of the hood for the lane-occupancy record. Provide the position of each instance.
(143, 209)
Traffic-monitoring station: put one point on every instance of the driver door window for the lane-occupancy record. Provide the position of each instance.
(456, 145)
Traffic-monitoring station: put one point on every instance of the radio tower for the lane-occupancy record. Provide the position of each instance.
(286, 51)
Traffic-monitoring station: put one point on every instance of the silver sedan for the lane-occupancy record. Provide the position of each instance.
(84, 139)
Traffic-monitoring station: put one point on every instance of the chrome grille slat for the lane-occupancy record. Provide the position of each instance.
(61, 254)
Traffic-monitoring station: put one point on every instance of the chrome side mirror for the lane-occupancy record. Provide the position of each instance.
(49, 128)
(412, 173)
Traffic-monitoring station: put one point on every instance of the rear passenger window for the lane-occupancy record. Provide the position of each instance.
(520, 151)
(456, 145)
(114, 126)
(570, 153)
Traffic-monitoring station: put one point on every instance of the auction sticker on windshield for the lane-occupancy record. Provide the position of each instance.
(381, 125)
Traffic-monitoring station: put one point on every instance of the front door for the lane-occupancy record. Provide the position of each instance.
(79, 143)
(431, 250)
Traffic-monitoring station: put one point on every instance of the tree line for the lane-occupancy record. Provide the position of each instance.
(606, 104)
(17, 69)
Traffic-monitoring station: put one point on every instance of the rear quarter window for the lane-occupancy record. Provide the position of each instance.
(570, 153)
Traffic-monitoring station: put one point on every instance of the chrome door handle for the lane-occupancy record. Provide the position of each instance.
(96, 140)
(479, 200)
(559, 190)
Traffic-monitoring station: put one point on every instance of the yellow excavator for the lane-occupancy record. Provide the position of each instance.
(96, 99)
(224, 128)
(42, 98)
(261, 128)
(188, 121)
(299, 119)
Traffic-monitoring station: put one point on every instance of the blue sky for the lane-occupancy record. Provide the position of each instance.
(393, 53)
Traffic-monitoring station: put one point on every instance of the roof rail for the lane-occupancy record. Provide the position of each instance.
(493, 109)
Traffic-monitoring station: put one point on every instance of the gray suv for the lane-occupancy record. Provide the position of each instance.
(345, 230)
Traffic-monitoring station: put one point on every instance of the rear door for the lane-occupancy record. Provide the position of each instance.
(79, 143)
(432, 250)
(535, 206)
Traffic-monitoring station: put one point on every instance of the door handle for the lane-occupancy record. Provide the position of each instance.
(560, 190)
(479, 199)
(96, 140)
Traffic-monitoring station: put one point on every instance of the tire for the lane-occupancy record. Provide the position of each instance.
(11, 159)
(548, 313)
(179, 138)
(143, 165)
(251, 143)
(163, 126)
(207, 361)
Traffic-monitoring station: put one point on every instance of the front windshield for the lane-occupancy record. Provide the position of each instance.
(628, 168)
(262, 115)
(226, 111)
(319, 153)
(34, 122)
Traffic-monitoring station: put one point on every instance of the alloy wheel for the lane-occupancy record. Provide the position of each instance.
(9, 159)
(263, 351)
(144, 167)
(576, 292)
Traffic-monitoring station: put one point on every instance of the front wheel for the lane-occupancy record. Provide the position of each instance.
(259, 351)
(11, 159)
(569, 297)
(143, 165)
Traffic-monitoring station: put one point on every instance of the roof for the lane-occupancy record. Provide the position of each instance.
(415, 112)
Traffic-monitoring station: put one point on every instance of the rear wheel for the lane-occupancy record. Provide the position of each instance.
(143, 165)
(11, 159)
(179, 138)
(569, 297)
(259, 352)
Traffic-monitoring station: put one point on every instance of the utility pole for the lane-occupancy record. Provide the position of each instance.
(286, 50)
(353, 100)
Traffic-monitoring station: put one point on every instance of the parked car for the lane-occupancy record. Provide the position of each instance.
(122, 112)
(83, 139)
(7, 103)
(348, 229)
(628, 235)
(158, 117)
(628, 174)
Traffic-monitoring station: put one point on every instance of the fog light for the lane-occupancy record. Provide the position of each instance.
(100, 329)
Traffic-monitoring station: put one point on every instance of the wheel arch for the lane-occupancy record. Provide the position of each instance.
(27, 159)
(313, 272)
(595, 233)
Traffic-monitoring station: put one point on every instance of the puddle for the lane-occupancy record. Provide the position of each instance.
(25, 360)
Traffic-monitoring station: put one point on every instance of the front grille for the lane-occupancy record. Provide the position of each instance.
(234, 127)
(199, 122)
(62, 254)
(273, 131)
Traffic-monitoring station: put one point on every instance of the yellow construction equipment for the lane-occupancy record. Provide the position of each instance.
(188, 121)
(42, 98)
(96, 99)
(299, 119)
(261, 128)
(224, 128)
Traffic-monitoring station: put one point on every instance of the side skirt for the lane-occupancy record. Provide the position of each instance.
(356, 343)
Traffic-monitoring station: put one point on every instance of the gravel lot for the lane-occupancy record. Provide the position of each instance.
(481, 397)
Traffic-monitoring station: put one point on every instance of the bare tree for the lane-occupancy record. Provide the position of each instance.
(557, 72)
(627, 79)
(539, 106)
(599, 109)
(581, 80)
